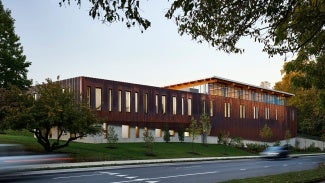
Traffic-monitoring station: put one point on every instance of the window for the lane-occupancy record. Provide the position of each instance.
(127, 101)
(255, 112)
(224, 91)
(276, 114)
(182, 105)
(110, 100)
(163, 104)
(267, 113)
(88, 94)
(119, 101)
(136, 102)
(158, 133)
(189, 107)
(242, 111)
(98, 100)
(204, 109)
(227, 110)
(174, 105)
(156, 104)
(145, 103)
(211, 108)
(125, 131)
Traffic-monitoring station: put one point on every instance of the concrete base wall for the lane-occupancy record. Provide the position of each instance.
(297, 142)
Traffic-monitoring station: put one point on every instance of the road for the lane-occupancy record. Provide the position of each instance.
(190, 172)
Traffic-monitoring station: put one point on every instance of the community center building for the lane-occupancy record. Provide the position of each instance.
(236, 108)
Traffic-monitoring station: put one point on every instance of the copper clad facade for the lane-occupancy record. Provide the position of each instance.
(234, 107)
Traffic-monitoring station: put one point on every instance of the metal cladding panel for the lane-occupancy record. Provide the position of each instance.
(281, 118)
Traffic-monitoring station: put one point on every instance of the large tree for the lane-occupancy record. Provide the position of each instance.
(13, 64)
(282, 26)
(53, 108)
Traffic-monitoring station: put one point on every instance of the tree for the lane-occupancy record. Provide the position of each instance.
(266, 132)
(55, 107)
(287, 136)
(148, 140)
(206, 126)
(112, 136)
(194, 131)
(282, 26)
(166, 135)
(265, 84)
(13, 64)
(308, 100)
(180, 133)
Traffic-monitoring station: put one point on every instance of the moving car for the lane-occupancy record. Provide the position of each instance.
(275, 152)
(13, 158)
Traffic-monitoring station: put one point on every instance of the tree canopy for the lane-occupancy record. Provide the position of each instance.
(53, 108)
(282, 26)
(13, 64)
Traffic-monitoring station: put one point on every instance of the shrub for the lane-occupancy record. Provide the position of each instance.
(166, 135)
(236, 142)
(181, 135)
(112, 137)
(255, 148)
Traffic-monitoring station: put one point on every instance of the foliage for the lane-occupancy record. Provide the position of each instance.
(287, 136)
(205, 125)
(148, 140)
(282, 26)
(309, 103)
(255, 148)
(112, 137)
(236, 142)
(54, 107)
(166, 135)
(194, 131)
(13, 64)
(180, 133)
(266, 132)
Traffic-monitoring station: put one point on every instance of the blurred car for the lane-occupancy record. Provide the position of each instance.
(13, 158)
(275, 152)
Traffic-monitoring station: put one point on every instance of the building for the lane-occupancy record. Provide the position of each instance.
(236, 108)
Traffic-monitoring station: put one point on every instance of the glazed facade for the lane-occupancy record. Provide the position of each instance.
(236, 108)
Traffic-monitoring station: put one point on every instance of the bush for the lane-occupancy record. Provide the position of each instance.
(181, 135)
(255, 148)
(112, 137)
(23, 132)
(236, 142)
(312, 148)
(166, 135)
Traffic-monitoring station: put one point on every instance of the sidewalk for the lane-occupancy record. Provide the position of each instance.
(138, 162)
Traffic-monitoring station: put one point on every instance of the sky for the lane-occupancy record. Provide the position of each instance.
(67, 42)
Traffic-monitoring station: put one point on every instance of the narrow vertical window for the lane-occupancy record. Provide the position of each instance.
(110, 100)
(204, 108)
(182, 105)
(127, 101)
(119, 101)
(145, 103)
(211, 108)
(163, 104)
(174, 106)
(156, 104)
(189, 107)
(242, 111)
(88, 94)
(98, 100)
(255, 112)
(227, 110)
(267, 113)
(276, 114)
(136, 102)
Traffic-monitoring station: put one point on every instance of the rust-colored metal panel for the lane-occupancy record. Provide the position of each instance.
(281, 117)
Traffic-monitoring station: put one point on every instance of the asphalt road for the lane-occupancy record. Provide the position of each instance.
(193, 172)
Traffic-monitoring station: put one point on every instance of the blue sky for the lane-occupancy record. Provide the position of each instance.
(65, 41)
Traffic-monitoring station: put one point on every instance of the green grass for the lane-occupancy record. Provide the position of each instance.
(314, 175)
(129, 151)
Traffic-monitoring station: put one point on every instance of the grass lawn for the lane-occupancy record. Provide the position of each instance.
(129, 151)
(314, 175)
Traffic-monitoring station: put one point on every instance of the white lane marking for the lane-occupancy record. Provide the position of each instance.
(77, 176)
(167, 177)
(121, 175)
(131, 177)
(189, 167)
(109, 173)
(242, 169)
(152, 181)
(285, 165)
(266, 166)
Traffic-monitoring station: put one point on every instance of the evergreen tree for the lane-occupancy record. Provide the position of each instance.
(13, 64)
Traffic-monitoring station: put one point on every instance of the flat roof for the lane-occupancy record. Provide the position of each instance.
(216, 79)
